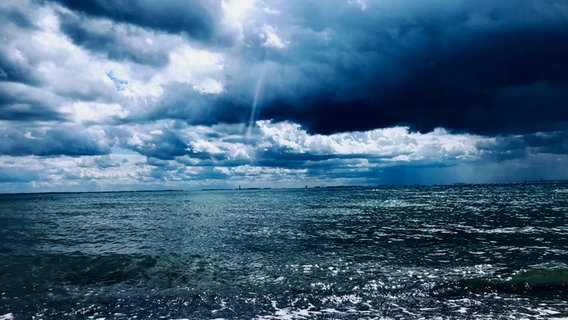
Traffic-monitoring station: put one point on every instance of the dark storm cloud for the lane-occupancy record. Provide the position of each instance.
(20, 103)
(13, 71)
(180, 101)
(550, 142)
(486, 68)
(511, 82)
(197, 19)
(16, 17)
(165, 147)
(13, 21)
(51, 142)
(26, 111)
(518, 146)
(113, 41)
(279, 157)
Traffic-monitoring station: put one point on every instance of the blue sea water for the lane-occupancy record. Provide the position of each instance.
(421, 252)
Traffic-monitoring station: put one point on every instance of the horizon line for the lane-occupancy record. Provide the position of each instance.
(525, 182)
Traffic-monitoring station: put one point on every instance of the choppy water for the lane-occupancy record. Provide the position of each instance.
(445, 252)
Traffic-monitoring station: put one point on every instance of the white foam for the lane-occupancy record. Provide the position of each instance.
(290, 313)
(462, 310)
(349, 298)
(7, 316)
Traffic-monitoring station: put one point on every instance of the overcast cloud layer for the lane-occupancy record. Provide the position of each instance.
(114, 95)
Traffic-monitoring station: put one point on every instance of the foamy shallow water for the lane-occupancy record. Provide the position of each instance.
(440, 252)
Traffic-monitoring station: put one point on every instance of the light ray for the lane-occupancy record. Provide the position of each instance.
(255, 102)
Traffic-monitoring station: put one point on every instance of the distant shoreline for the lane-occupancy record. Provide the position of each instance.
(528, 182)
(79, 192)
(241, 189)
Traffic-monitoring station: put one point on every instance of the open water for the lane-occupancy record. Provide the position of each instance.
(424, 252)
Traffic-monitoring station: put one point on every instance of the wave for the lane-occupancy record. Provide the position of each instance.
(44, 271)
(532, 282)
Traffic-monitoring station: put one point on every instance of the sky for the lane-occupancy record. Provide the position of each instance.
(137, 95)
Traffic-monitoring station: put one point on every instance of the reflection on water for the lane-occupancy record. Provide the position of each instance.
(449, 252)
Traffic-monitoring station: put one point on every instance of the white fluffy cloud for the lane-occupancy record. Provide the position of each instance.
(168, 152)
(271, 39)
(173, 154)
(390, 144)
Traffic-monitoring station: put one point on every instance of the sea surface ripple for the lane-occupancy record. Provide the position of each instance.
(416, 252)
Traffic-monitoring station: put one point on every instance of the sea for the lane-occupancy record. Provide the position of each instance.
(386, 252)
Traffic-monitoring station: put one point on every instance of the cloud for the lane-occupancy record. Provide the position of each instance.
(173, 154)
(483, 68)
(63, 173)
(47, 141)
(197, 19)
(92, 112)
(288, 145)
(425, 67)
(117, 41)
(518, 146)
(218, 93)
(19, 102)
(271, 38)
